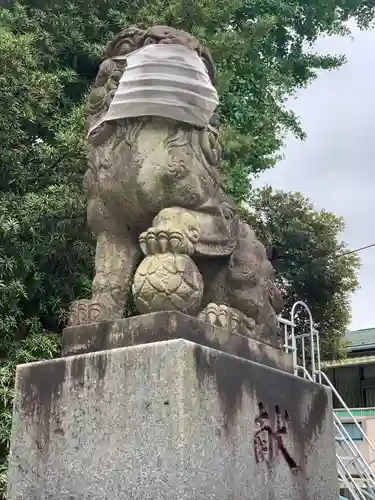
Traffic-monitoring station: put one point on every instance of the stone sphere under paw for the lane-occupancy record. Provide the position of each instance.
(168, 282)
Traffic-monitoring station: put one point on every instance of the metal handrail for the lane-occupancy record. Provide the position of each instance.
(355, 460)
(342, 402)
(354, 489)
(365, 469)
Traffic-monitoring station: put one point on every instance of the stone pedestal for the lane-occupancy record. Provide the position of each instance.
(168, 325)
(169, 420)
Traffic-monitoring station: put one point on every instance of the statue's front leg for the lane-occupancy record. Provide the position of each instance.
(174, 230)
(115, 261)
(190, 232)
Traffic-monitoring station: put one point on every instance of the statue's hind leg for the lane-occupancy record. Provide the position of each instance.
(251, 288)
(239, 292)
(216, 308)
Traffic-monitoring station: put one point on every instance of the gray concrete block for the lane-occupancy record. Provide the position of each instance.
(167, 420)
(168, 325)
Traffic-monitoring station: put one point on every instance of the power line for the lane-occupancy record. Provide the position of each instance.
(273, 253)
(357, 250)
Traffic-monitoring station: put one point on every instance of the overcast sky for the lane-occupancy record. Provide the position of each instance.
(334, 166)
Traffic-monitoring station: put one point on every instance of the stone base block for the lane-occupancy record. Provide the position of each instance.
(165, 421)
(168, 325)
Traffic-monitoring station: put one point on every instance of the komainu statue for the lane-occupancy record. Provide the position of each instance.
(165, 228)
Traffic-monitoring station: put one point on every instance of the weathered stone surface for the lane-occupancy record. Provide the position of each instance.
(154, 190)
(179, 284)
(161, 326)
(168, 420)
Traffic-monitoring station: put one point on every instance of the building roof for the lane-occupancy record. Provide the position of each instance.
(358, 340)
(361, 338)
(359, 360)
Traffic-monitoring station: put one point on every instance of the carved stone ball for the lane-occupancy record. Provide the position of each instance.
(168, 282)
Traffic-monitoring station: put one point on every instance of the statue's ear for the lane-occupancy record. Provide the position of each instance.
(125, 42)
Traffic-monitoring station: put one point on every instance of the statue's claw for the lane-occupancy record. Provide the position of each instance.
(229, 318)
(155, 241)
(85, 311)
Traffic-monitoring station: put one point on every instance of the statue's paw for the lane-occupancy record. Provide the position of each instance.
(229, 318)
(85, 311)
(155, 241)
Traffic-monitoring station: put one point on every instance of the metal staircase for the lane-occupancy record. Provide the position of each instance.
(354, 472)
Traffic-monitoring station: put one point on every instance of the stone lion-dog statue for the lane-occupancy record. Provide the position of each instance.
(165, 228)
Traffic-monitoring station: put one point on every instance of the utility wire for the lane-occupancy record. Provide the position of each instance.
(357, 250)
(273, 252)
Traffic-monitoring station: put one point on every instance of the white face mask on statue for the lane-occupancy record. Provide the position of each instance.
(165, 80)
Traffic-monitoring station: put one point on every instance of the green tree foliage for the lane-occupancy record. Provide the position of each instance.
(309, 259)
(49, 54)
(43, 247)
